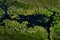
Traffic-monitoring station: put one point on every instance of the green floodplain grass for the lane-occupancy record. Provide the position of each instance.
(14, 30)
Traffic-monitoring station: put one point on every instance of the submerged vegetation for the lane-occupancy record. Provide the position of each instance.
(29, 20)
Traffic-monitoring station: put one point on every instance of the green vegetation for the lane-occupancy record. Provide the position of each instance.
(1, 13)
(14, 30)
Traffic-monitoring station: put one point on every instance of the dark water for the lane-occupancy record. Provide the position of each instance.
(32, 19)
